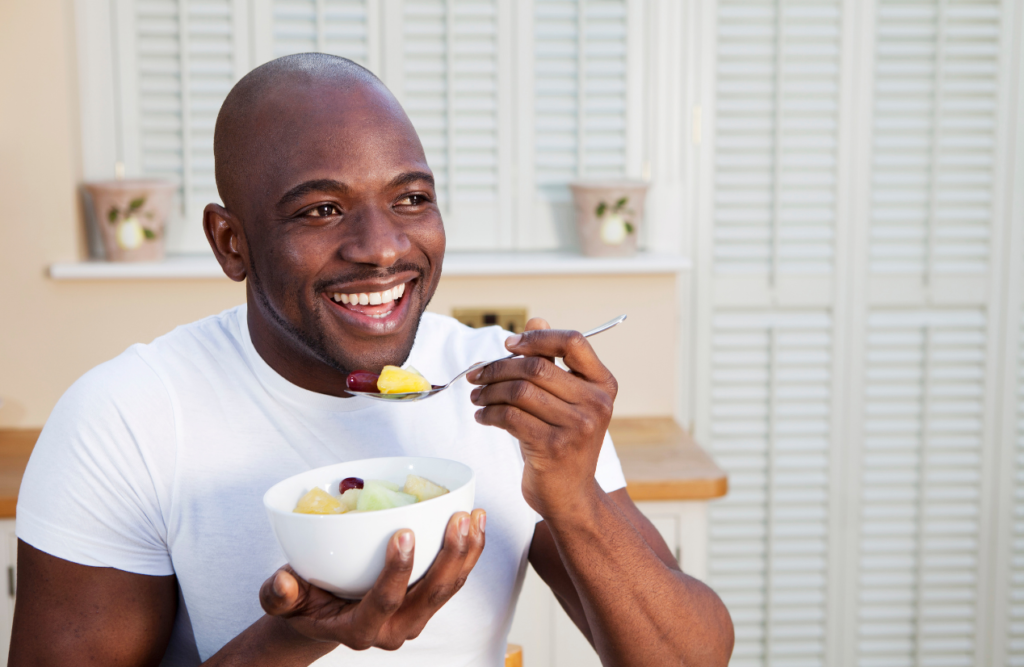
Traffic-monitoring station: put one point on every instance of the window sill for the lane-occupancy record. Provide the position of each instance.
(455, 264)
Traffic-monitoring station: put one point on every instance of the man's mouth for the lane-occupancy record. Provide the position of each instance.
(376, 313)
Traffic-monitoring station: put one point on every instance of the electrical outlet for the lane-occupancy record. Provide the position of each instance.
(510, 319)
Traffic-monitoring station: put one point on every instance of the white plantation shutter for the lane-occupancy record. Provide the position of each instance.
(918, 561)
(581, 125)
(1015, 611)
(455, 86)
(934, 146)
(338, 27)
(180, 59)
(771, 386)
(777, 128)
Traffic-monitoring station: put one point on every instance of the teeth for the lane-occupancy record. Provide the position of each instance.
(371, 298)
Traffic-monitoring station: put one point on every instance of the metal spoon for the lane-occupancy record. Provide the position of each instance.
(420, 395)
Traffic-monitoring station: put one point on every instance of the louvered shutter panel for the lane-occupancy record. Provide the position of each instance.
(456, 71)
(771, 391)
(919, 551)
(777, 128)
(581, 127)
(1015, 624)
(338, 27)
(184, 62)
(935, 139)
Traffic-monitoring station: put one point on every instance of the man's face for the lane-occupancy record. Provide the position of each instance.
(345, 239)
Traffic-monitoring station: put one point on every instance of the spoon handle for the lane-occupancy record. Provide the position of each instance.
(596, 330)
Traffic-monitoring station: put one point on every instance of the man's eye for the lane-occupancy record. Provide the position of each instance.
(324, 211)
(413, 200)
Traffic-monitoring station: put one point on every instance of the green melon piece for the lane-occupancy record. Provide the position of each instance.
(377, 496)
(350, 499)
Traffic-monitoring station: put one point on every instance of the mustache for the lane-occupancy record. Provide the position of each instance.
(368, 273)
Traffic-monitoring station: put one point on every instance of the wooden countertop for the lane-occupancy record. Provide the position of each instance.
(661, 462)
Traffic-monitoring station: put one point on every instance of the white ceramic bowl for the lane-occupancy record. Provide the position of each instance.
(344, 553)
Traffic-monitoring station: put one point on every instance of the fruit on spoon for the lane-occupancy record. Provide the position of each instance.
(395, 380)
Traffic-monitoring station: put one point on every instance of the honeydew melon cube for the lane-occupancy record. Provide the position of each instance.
(318, 501)
(350, 499)
(423, 488)
(377, 496)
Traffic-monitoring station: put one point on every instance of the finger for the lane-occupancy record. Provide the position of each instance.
(280, 594)
(445, 579)
(388, 592)
(441, 580)
(538, 324)
(571, 346)
(526, 396)
(519, 423)
(536, 370)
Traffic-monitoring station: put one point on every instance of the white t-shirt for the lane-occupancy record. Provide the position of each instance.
(156, 463)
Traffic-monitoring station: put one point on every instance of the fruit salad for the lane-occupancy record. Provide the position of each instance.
(392, 380)
(356, 495)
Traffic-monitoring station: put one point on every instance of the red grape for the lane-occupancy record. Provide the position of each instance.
(350, 483)
(362, 381)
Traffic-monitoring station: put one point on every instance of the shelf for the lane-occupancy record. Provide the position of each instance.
(455, 264)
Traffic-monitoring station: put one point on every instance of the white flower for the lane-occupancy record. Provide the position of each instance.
(614, 229)
(129, 234)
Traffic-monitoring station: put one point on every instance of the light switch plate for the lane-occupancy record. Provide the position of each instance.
(510, 319)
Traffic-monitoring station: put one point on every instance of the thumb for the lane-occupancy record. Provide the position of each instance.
(280, 594)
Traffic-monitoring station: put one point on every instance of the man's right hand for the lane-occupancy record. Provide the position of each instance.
(391, 612)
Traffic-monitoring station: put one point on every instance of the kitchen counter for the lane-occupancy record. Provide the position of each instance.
(661, 462)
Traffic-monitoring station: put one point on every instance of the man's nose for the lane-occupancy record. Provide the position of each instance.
(374, 238)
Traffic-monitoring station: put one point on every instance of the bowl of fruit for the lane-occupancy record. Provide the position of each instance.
(334, 523)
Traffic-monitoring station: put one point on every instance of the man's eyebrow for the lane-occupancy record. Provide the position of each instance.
(318, 185)
(411, 177)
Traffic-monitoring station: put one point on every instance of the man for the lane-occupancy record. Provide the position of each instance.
(142, 537)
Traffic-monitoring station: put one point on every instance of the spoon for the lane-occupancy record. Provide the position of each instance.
(420, 395)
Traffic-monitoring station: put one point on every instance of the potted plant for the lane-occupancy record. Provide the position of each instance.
(129, 216)
(608, 215)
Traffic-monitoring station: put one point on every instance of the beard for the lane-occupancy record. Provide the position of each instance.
(313, 336)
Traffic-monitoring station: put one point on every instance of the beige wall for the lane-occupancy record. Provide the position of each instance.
(52, 332)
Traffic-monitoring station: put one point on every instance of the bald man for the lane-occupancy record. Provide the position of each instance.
(142, 540)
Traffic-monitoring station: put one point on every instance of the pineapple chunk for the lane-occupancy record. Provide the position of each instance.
(423, 488)
(318, 501)
(394, 380)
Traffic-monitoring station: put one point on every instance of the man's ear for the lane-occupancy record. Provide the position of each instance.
(226, 237)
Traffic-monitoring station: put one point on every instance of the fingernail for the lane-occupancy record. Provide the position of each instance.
(405, 542)
(475, 394)
(479, 415)
(464, 526)
(278, 586)
(483, 522)
(512, 341)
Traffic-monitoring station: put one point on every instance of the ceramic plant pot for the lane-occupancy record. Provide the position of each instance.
(608, 215)
(130, 215)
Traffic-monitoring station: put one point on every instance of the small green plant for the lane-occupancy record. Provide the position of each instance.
(134, 206)
(619, 208)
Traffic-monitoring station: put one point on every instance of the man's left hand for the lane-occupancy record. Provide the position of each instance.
(559, 417)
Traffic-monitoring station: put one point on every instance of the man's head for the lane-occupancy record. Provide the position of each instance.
(327, 194)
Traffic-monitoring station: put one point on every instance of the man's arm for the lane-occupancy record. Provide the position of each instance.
(607, 565)
(70, 614)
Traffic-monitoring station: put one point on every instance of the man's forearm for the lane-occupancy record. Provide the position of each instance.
(270, 641)
(639, 610)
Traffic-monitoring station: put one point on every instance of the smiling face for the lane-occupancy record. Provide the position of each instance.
(337, 229)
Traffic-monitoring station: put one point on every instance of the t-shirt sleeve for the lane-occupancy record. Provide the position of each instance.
(609, 471)
(95, 489)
